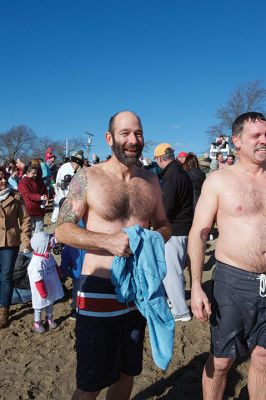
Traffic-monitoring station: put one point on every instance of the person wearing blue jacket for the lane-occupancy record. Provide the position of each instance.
(71, 265)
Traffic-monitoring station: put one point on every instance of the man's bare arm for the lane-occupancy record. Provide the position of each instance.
(72, 210)
(205, 213)
(159, 219)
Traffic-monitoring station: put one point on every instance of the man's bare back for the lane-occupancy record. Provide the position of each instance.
(241, 218)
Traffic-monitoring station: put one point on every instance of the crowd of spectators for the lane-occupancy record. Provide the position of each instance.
(27, 189)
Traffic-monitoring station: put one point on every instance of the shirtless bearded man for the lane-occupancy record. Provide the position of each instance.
(110, 196)
(236, 197)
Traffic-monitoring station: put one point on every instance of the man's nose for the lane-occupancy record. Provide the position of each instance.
(263, 139)
(133, 138)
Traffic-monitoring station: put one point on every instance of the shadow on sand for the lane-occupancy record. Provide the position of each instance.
(185, 384)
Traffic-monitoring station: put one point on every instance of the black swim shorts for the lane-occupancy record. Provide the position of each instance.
(109, 335)
(238, 319)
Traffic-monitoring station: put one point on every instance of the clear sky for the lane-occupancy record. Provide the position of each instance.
(68, 65)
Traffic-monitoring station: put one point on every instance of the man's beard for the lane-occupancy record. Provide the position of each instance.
(127, 160)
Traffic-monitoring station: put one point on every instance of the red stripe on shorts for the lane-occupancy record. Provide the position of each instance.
(101, 305)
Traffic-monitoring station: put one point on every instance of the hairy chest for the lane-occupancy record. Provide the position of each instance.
(246, 199)
(115, 200)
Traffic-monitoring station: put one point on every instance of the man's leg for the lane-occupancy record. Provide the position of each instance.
(174, 283)
(214, 377)
(121, 390)
(81, 395)
(257, 374)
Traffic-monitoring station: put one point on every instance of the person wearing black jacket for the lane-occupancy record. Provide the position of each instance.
(191, 165)
(177, 193)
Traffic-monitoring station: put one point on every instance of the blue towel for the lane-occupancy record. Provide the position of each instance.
(139, 278)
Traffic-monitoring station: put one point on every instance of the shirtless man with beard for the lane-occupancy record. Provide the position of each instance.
(110, 196)
(236, 197)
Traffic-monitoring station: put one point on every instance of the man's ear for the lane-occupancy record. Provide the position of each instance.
(109, 138)
(237, 141)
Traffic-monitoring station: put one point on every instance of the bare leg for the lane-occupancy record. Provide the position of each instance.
(81, 395)
(121, 390)
(214, 377)
(257, 373)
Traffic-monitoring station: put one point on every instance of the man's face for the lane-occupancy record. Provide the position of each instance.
(127, 138)
(32, 174)
(220, 158)
(230, 160)
(252, 143)
(74, 165)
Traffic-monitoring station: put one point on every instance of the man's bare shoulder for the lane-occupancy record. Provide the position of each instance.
(147, 175)
(217, 180)
(97, 171)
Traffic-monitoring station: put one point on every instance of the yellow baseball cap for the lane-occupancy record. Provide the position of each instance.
(160, 150)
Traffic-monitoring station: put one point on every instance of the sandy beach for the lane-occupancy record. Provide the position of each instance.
(34, 366)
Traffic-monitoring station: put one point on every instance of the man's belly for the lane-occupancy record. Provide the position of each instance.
(97, 265)
(242, 251)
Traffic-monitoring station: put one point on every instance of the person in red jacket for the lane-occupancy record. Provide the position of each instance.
(34, 194)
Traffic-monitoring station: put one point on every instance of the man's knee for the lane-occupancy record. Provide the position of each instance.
(218, 366)
(258, 357)
(82, 395)
(126, 378)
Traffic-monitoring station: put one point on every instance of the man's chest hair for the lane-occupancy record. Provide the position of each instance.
(246, 198)
(114, 199)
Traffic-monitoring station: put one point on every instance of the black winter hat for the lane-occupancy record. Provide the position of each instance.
(78, 157)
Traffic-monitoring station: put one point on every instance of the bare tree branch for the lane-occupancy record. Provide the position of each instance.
(247, 97)
(16, 142)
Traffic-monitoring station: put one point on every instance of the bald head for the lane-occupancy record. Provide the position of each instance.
(120, 116)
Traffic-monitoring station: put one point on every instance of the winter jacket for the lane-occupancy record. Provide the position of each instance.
(72, 261)
(45, 170)
(177, 195)
(32, 190)
(197, 178)
(14, 222)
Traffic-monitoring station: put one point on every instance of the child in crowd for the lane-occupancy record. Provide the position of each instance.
(71, 265)
(45, 285)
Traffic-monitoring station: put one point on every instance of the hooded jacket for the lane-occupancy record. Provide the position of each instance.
(42, 268)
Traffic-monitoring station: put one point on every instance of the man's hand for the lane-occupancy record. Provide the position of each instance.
(200, 305)
(118, 244)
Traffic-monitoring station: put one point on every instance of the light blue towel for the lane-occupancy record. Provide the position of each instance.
(139, 279)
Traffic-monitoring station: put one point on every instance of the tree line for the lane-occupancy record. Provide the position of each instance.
(22, 142)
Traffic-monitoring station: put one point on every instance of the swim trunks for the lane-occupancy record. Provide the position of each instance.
(109, 335)
(238, 319)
